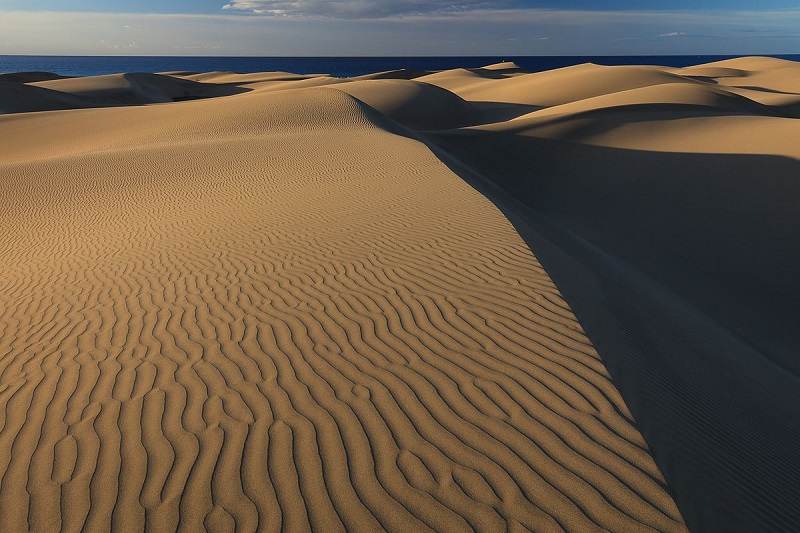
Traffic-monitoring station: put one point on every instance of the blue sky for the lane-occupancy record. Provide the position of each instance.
(398, 27)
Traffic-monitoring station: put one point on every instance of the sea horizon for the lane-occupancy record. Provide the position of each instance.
(339, 66)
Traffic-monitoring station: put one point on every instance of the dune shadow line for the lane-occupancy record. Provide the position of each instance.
(682, 270)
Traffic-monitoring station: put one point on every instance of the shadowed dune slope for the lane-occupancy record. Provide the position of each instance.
(26, 93)
(668, 216)
(135, 88)
(29, 77)
(668, 97)
(269, 312)
(22, 98)
(413, 104)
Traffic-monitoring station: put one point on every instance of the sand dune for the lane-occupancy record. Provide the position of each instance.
(414, 104)
(46, 92)
(24, 98)
(459, 78)
(28, 77)
(135, 88)
(665, 214)
(567, 85)
(399, 74)
(294, 306)
(505, 66)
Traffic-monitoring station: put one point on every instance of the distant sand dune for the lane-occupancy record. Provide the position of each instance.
(414, 104)
(22, 98)
(287, 308)
(567, 85)
(134, 88)
(29, 77)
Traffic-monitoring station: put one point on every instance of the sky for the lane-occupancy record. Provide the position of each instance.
(398, 27)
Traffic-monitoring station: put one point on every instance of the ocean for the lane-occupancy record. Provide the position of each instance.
(335, 66)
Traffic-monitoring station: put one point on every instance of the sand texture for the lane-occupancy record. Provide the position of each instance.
(471, 300)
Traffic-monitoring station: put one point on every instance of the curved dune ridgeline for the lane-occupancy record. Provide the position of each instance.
(282, 305)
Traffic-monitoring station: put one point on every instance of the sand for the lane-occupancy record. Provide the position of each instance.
(471, 300)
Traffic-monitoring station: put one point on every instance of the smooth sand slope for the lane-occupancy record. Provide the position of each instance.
(286, 305)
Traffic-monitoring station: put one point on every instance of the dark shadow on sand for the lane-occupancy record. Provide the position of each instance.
(16, 96)
(683, 269)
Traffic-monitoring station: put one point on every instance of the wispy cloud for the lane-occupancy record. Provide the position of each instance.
(674, 34)
(125, 46)
(363, 9)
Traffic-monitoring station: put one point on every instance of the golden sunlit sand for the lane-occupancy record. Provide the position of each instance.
(264, 302)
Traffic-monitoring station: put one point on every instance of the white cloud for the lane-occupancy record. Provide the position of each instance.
(361, 9)
(674, 34)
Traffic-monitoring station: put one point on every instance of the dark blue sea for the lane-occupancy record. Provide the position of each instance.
(335, 66)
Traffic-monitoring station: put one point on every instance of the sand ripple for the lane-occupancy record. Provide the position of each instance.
(265, 312)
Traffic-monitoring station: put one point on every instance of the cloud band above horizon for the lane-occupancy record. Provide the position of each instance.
(362, 9)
